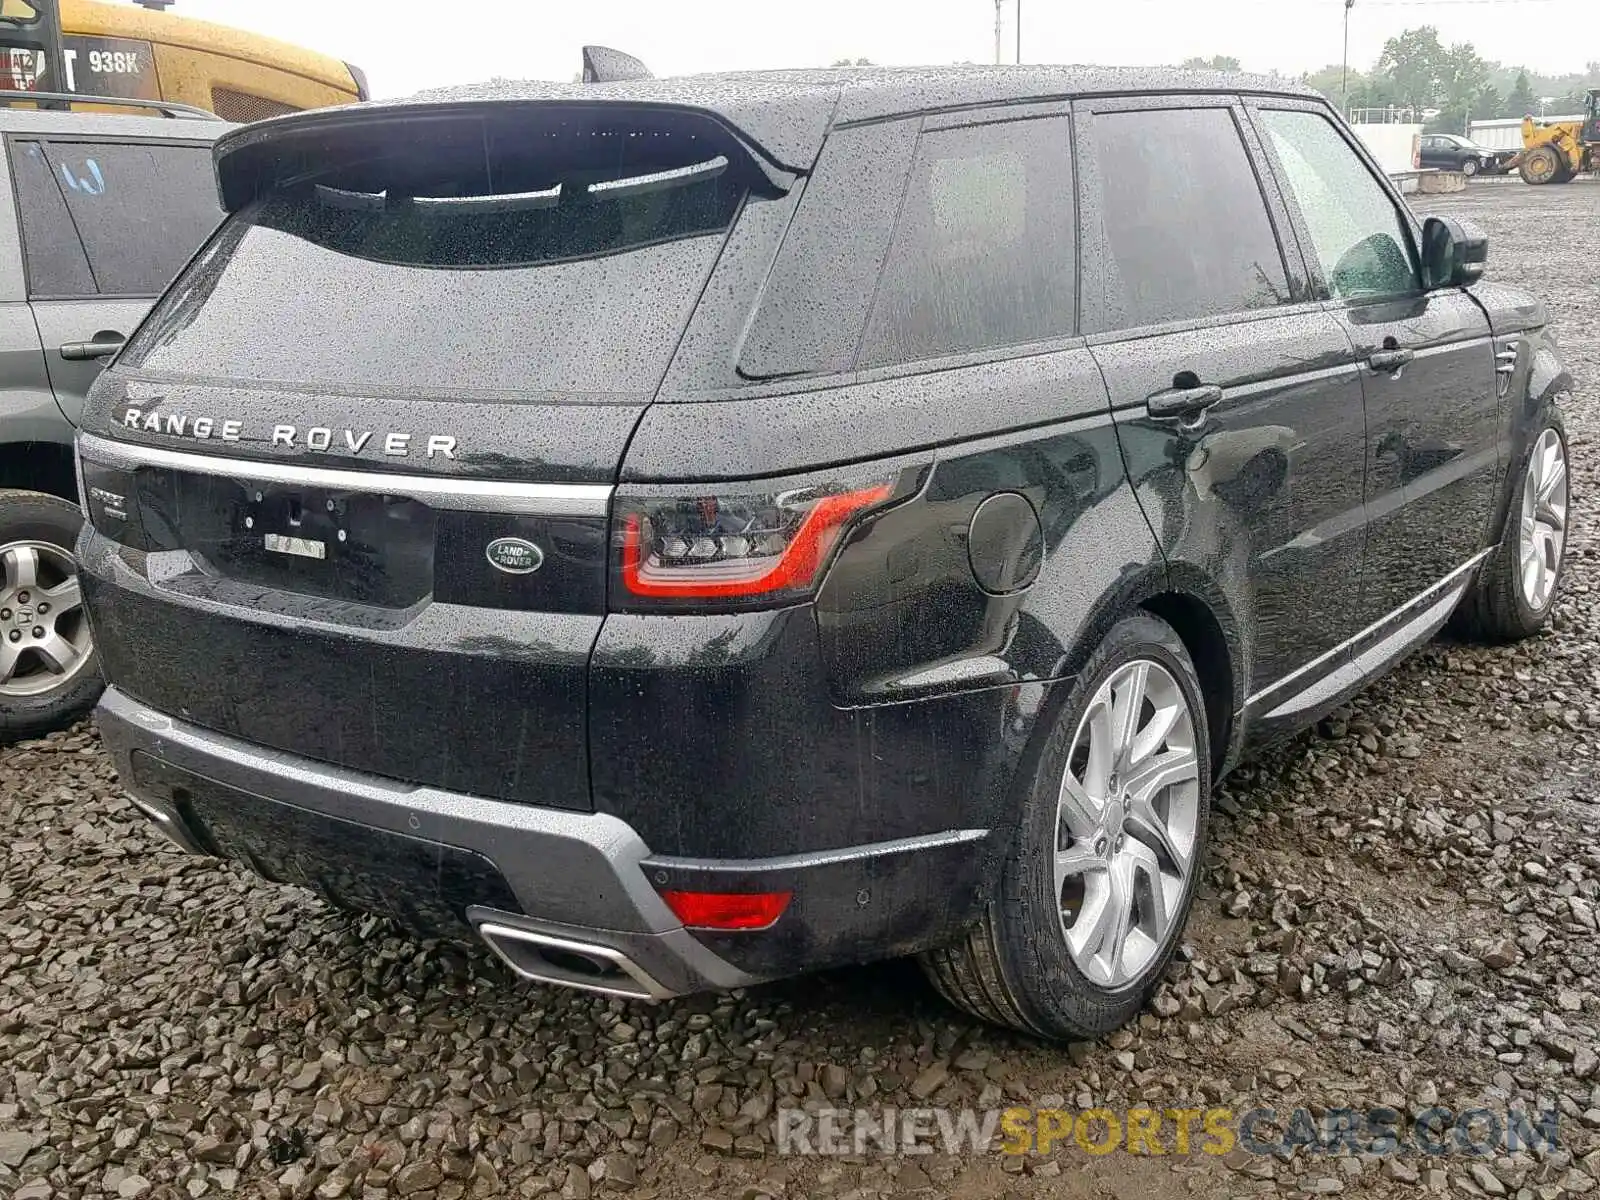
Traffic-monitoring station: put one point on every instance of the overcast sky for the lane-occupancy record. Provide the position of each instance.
(540, 39)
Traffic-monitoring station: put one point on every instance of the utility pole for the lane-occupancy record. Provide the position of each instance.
(1019, 33)
(1344, 82)
(997, 41)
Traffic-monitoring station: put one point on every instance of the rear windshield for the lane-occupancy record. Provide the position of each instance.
(567, 265)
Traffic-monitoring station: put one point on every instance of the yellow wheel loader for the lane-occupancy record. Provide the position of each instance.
(1556, 151)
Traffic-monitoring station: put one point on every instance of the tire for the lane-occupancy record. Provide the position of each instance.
(40, 530)
(1469, 167)
(1017, 967)
(1540, 166)
(1501, 606)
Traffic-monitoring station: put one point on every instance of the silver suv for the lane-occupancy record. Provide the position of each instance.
(98, 212)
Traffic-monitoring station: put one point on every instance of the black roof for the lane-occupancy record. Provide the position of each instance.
(787, 113)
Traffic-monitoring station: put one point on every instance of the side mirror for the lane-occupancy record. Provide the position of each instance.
(1454, 253)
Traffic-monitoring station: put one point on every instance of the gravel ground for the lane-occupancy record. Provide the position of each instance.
(1399, 910)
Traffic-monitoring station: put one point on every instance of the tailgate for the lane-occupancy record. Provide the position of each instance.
(349, 483)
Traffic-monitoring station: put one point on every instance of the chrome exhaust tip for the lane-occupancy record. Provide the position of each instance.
(170, 824)
(563, 962)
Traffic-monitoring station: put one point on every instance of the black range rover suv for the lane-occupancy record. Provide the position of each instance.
(694, 531)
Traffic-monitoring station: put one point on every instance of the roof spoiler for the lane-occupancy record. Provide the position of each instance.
(252, 160)
(601, 64)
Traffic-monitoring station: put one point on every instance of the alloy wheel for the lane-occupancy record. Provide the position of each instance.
(1542, 530)
(1127, 823)
(44, 635)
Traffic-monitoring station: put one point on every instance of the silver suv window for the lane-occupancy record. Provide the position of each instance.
(111, 218)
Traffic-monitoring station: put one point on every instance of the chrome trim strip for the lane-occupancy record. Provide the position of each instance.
(820, 858)
(1383, 653)
(1387, 619)
(458, 495)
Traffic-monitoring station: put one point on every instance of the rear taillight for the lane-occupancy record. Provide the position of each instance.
(734, 546)
(107, 497)
(727, 910)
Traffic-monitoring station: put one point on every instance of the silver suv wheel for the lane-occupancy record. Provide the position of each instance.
(44, 635)
(1542, 532)
(1128, 819)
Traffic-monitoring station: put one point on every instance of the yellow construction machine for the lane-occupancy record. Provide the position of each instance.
(1555, 151)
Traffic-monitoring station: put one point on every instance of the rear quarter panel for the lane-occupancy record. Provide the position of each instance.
(903, 701)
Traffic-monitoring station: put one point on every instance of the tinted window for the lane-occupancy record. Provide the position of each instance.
(575, 284)
(983, 255)
(816, 300)
(1357, 232)
(54, 256)
(1184, 226)
(136, 211)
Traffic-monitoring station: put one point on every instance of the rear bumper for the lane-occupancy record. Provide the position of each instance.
(564, 897)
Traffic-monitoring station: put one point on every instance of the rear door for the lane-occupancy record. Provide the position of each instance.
(28, 411)
(1235, 394)
(1432, 458)
(106, 225)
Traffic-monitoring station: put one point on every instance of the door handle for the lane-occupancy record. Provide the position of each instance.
(106, 342)
(1389, 360)
(1183, 404)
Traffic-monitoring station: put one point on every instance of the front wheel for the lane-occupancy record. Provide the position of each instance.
(1516, 588)
(1542, 165)
(1469, 168)
(1093, 899)
(49, 674)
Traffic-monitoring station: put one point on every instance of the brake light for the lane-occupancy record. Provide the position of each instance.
(727, 910)
(735, 547)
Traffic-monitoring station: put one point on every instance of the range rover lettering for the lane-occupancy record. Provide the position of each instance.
(844, 514)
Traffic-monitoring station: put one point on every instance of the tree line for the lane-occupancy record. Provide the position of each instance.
(1417, 71)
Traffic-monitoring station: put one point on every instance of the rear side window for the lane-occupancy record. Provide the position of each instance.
(53, 254)
(563, 261)
(1183, 225)
(1357, 232)
(111, 219)
(983, 255)
(818, 295)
